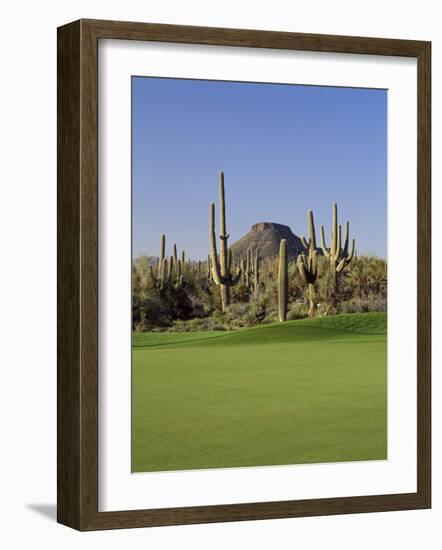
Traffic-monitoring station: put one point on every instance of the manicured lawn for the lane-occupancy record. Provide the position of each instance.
(296, 392)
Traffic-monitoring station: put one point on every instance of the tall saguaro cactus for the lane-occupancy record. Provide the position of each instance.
(308, 265)
(243, 266)
(162, 255)
(256, 265)
(283, 281)
(250, 271)
(311, 243)
(339, 255)
(221, 265)
(248, 268)
(165, 273)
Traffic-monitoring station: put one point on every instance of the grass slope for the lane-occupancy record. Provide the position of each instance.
(297, 392)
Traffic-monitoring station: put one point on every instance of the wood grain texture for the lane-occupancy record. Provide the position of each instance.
(424, 274)
(68, 276)
(77, 223)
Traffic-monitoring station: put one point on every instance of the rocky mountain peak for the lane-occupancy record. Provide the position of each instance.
(266, 236)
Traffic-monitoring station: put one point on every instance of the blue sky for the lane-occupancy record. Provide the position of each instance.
(283, 149)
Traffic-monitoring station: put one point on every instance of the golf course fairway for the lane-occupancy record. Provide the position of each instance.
(305, 391)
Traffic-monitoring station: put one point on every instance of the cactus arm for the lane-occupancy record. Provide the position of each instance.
(308, 267)
(352, 251)
(315, 267)
(170, 268)
(347, 259)
(236, 278)
(175, 254)
(347, 230)
(213, 252)
(222, 208)
(337, 253)
(302, 267)
(310, 263)
(323, 245)
(304, 242)
(341, 265)
(334, 246)
(311, 230)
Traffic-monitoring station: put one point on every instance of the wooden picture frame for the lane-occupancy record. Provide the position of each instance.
(77, 461)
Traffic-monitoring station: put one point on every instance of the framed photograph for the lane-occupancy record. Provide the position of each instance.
(232, 207)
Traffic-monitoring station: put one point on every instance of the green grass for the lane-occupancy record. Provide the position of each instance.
(285, 393)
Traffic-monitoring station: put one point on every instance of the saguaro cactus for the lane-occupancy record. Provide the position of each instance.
(250, 270)
(162, 253)
(256, 265)
(221, 265)
(165, 273)
(169, 272)
(308, 265)
(311, 243)
(242, 264)
(179, 282)
(283, 281)
(338, 255)
(183, 260)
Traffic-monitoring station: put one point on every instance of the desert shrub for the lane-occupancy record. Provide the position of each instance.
(326, 308)
(297, 311)
(255, 314)
(378, 302)
(197, 305)
(152, 310)
(372, 302)
(240, 293)
(349, 306)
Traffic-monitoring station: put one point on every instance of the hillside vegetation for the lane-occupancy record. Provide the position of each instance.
(270, 274)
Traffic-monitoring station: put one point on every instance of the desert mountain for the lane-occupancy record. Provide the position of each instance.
(267, 236)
